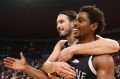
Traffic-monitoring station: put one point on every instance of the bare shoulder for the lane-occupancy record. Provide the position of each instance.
(103, 58)
(104, 65)
(103, 61)
(98, 37)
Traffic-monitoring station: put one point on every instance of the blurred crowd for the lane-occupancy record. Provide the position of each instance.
(36, 52)
(6, 73)
(116, 57)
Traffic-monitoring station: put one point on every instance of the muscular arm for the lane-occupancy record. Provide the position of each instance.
(104, 66)
(48, 65)
(100, 46)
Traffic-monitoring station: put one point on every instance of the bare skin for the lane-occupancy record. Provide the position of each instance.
(104, 67)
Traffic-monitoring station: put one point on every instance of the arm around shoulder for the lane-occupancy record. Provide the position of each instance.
(95, 47)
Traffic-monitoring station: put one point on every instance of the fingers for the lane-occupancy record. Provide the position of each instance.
(8, 65)
(68, 74)
(21, 55)
(8, 62)
(66, 71)
(69, 69)
(66, 65)
(61, 59)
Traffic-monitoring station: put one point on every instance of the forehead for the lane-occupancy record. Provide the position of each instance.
(62, 17)
(82, 15)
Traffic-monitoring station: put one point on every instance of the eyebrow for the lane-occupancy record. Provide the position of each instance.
(79, 18)
(59, 20)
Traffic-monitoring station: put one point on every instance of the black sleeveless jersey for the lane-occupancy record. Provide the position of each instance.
(82, 65)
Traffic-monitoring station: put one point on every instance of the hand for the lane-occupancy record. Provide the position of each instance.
(65, 70)
(16, 64)
(65, 55)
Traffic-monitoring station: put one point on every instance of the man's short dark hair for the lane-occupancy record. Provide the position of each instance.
(70, 13)
(95, 15)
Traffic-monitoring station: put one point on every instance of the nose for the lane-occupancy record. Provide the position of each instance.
(58, 26)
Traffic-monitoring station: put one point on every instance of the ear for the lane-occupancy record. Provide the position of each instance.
(94, 26)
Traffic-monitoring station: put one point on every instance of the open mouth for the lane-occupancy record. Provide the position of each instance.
(60, 29)
(75, 30)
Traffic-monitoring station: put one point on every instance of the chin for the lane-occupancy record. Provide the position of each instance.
(76, 35)
(61, 34)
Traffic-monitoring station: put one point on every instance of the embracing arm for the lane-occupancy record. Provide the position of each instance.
(48, 65)
(100, 46)
(61, 68)
(104, 67)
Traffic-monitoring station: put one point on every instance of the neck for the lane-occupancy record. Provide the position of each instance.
(86, 39)
(71, 39)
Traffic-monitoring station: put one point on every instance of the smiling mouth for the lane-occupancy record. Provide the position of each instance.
(60, 29)
(75, 30)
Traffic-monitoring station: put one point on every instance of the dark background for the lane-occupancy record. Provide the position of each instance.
(36, 19)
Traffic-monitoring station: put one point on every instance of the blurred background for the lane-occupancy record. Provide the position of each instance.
(30, 26)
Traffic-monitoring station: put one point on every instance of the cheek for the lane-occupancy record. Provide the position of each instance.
(84, 26)
(83, 30)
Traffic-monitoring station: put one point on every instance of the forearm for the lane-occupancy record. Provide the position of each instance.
(88, 49)
(37, 74)
(95, 48)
